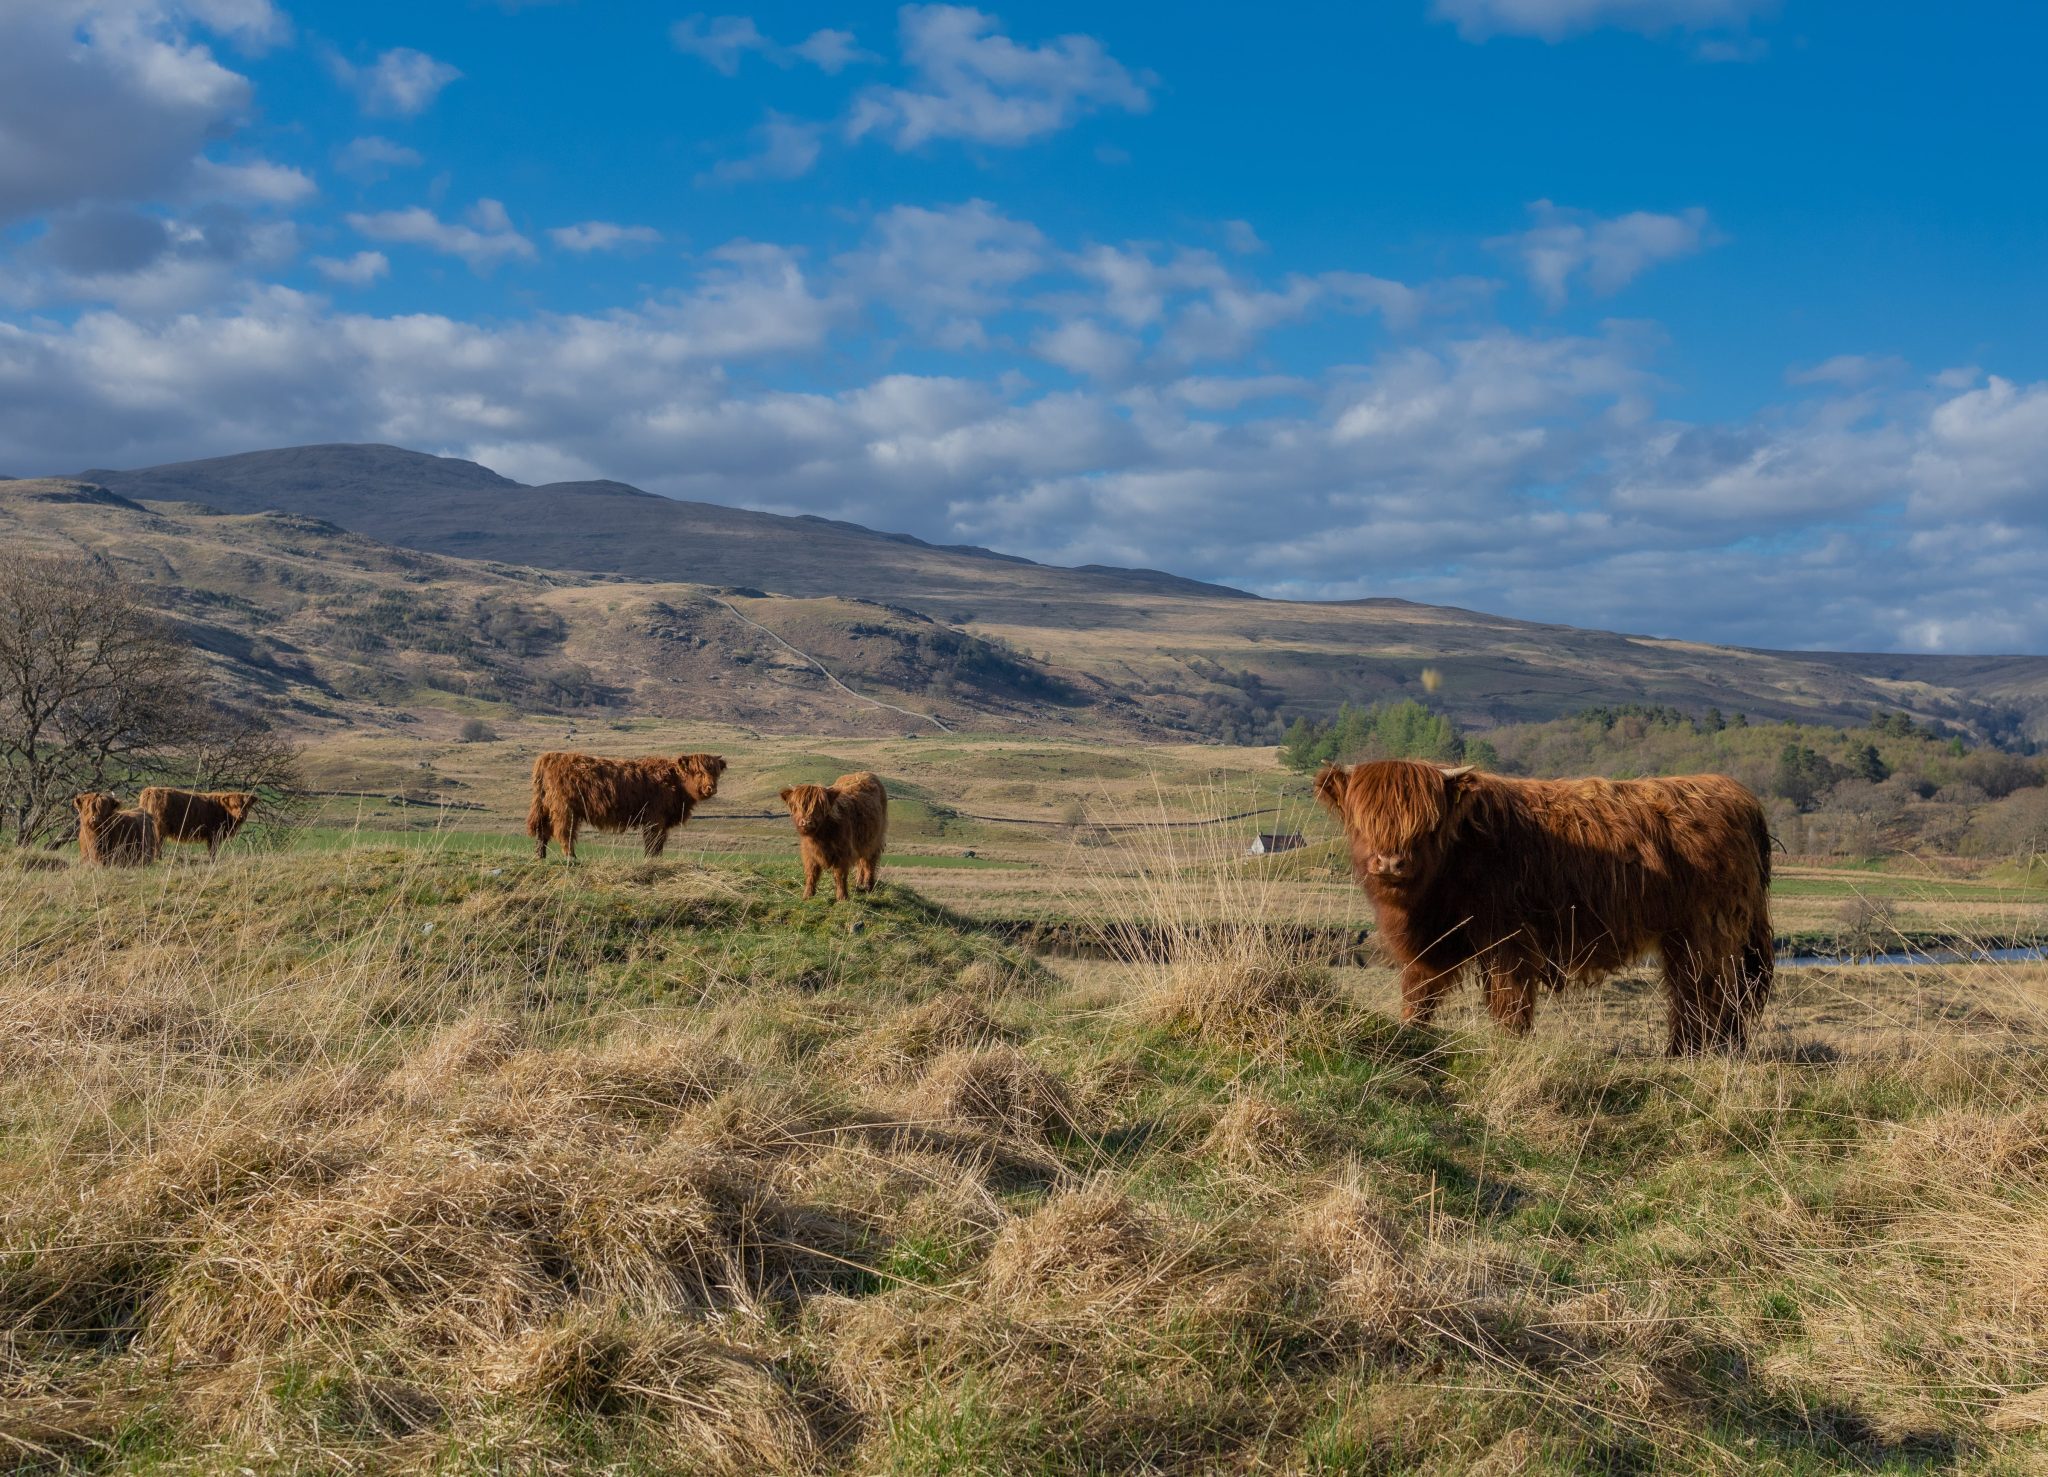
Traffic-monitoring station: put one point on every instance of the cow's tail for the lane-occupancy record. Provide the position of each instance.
(538, 824)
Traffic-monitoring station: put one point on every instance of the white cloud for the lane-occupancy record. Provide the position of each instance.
(371, 157)
(971, 82)
(1848, 370)
(1240, 238)
(718, 41)
(1569, 247)
(117, 100)
(400, 83)
(488, 238)
(147, 263)
(721, 41)
(1087, 348)
(785, 148)
(832, 52)
(258, 182)
(1525, 472)
(1986, 448)
(1553, 20)
(603, 236)
(961, 261)
(359, 270)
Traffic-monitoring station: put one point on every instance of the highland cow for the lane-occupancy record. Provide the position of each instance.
(1533, 884)
(841, 825)
(652, 796)
(212, 816)
(109, 836)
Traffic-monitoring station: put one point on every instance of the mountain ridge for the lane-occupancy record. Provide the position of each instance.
(1135, 650)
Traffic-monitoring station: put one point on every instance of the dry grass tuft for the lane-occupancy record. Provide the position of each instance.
(1260, 1137)
(1238, 995)
(998, 1089)
(1082, 1243)
(906, 1043)
(684, 1387)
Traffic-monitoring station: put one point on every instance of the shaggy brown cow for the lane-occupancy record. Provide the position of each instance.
(212, 816)
(838, 826)
(1533, 883)
(109, 836)
(652, 796)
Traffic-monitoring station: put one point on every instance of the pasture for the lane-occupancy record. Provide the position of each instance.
(390, 1148)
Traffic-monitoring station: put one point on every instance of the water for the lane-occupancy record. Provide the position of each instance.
(2023, 954)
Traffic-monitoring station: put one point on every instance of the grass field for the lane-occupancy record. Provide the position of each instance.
(1056, 798)
(433, 1158)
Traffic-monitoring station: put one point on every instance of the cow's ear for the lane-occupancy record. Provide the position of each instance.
(1330, 782)
(787, 793)
(1458, 781)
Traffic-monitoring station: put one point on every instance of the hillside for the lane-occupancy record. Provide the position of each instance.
(324, 627)
(976, 638)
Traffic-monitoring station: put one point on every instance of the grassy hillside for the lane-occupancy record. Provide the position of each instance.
(1001, 642)
(328, 628)
(404, 1161)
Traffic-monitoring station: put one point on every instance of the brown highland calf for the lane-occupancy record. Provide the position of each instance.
(844, 824)
(109, 836)
(212, 816)
(652, 796)
(1534, 883)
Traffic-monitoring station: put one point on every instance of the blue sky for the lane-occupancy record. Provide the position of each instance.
(1723, 319)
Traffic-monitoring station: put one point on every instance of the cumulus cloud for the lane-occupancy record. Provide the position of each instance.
(784, 148)
(1848, 370)
(117, 100)
(146, 261)
(359, 270)
(371, 158)
(603, 236)
(487, 239)
(952, 264)
(1553, 20)
(1453, 459)
(1566, 248)
(1986, 449)
(971, 82)
(1087, 348)
(832, 52)
(400, 83)
(258, 182)
(722, 41)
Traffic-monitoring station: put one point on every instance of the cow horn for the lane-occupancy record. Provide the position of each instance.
(1451, 773)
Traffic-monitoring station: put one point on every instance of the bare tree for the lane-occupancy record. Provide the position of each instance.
(93, 688)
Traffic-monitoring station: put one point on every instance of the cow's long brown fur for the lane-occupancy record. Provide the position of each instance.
(109, 836)
(1536, 883)
(651, 795)
(841, 825)
(212, 816)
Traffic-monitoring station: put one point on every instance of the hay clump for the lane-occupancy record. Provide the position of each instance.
(474, 1044)
(898, 1048)
(997, 1089)
(1247, 1000)
(1080, 1244)
(713, 1406)
(1256, 1135)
